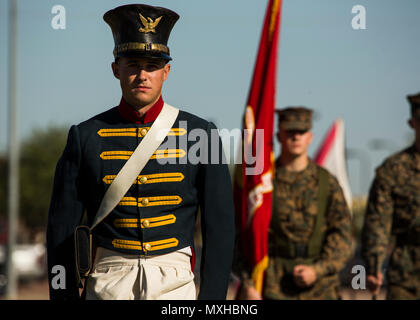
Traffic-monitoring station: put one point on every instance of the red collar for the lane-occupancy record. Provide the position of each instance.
(130, 114)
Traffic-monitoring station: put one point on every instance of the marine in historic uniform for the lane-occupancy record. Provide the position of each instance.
(310, 237)
(144, 248)
(393, 213)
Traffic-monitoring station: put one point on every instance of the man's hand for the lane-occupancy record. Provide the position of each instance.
(304, 276)
(374, 283)
(252, 294)
(248, 291)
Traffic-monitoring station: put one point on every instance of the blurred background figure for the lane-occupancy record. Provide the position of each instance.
(393, 213)
(310, 237)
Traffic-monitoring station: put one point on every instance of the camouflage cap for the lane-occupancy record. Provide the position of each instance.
(415, 105)
(294, 118)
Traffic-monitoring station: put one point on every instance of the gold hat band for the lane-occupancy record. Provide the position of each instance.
(141, 47)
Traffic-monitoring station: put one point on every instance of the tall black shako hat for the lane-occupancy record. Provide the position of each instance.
(140, 30)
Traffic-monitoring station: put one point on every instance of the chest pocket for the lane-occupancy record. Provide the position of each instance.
(294, 211)
(282, 233)
(305, 211)
(406, 207)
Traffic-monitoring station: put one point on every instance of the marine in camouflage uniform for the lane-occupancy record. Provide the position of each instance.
(310, 223)
(393, 210)
(304, 229)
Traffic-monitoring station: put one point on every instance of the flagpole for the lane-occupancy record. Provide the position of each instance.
(253, 189)
(13, 167)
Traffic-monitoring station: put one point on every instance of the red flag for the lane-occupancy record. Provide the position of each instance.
(253, 181)
(331, 155)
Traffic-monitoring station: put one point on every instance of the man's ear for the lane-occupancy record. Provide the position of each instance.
(411, 123)
(115, 70)
(311, 136)
(167, 70)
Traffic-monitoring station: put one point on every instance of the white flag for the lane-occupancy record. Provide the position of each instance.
(331, 156)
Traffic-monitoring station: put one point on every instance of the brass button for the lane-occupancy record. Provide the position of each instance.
(147, 247)
(146, 223)
(143, 132)
(143, 180)
(145, 201)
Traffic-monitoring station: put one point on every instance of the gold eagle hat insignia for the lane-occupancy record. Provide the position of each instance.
(149, 24)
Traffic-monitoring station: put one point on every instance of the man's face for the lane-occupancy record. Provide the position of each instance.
(141, 79)
(415, 125)
(294, 142)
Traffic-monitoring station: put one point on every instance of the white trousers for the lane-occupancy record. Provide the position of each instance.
(117, 276)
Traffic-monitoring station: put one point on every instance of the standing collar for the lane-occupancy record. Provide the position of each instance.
(291, 176)
(130, 114)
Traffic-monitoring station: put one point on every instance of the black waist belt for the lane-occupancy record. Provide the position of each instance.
(291, 255)
(408, 240)
(291, 251)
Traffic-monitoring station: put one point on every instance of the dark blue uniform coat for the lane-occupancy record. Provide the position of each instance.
(158, 213)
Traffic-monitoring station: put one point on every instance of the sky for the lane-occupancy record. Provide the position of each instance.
(362, 76)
